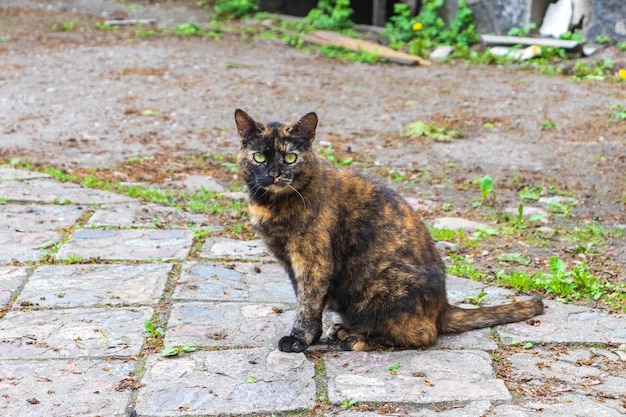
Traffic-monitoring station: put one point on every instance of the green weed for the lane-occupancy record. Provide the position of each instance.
(153, 332)
(348, 403)
(175, 350)
(619, 112)
(532, 194)
(235, 9)
(438, 134)
(548, 125)
(329, 154)
(330, 15)
(476, 299)
(524, 31)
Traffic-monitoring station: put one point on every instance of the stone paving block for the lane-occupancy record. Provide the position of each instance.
(225, 248)
(137, 214)
(12, 174)
(52, 191)
(564, 323)
(37, 218)
(589, 374)
(227, 382)
(94, 285)
(11, 280)
(474, 409)
(60, 388)
(138, 245)
(224, 324)
(424, 377)
(234, 281)
(473, 340)
(73, 333)
(24, 247)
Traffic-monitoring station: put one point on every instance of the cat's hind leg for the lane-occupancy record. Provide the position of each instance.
(347, 339)
(337, 332)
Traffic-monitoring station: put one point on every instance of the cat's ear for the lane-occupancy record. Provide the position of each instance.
(246, 126)
(306, 126)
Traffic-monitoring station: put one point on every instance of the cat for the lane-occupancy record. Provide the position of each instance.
(349, 244)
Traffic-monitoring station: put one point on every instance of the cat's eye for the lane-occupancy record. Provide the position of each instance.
(259, 157)
(290, 158)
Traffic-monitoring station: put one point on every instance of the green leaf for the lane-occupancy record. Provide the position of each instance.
(170, 351)
(394, 367)
(515, 257)
(251, 380)
(528, 345)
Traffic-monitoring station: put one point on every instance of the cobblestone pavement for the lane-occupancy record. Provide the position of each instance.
(73, 340)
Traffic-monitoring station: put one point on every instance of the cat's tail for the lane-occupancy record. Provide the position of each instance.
(456, 319)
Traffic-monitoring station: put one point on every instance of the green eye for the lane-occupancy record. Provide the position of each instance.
(259, 157)
(290, 158)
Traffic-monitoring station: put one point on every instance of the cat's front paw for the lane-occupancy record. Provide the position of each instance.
(292, 344)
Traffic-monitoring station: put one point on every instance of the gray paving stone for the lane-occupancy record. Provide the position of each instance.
(225, 324)
(227, 382)
(11, 279)
(25, 246)
(51, 191)
(454, 223)
(563, 323)
(225, 248)
(94, 285)
(73, 333)
(12, 174)
(567, 405)
(234, 281)
(424, 377)
(587, 374)
(36, 217)
(473, 340)
(137, 214)
(60, 388)
(140, 245)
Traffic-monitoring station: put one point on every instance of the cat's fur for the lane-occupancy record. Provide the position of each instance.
(350, 244)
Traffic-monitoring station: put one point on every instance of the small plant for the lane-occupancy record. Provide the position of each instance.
(515, 257)
(601, 39)
(393, 369)
(548, 125)
(619, 112)
(533, 193)
(329, 154)
(330, 15)
(436, 133)
(187, 29)
(523, 31)
(348, 403)
(251, 380)
(486, 190)
(73, 258)
(235, 9)
(65, 26)
(476, 299)
(152, 331)
(175, 350)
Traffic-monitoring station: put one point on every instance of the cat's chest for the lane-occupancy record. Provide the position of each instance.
(273, 220)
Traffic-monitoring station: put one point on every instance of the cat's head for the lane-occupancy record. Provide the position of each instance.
(275, 158)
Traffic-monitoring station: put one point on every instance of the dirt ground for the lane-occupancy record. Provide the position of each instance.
(75, 97)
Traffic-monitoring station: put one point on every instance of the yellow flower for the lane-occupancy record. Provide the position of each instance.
(417, 26)
(622, 73)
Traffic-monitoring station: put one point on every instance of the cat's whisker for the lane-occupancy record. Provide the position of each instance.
(298, 192)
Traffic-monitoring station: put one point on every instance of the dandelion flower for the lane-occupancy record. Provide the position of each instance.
(417, 26)
(622, 73)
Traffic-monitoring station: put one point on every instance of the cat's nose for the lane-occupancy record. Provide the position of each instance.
(273, 174)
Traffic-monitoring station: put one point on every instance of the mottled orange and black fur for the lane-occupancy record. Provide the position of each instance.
(350, 244)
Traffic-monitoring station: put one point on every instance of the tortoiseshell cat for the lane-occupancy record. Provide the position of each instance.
(350, 244)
